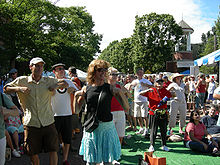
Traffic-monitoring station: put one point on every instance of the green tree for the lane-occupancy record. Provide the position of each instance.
(108, 52)
(119, 54)
(149, 47)
(217, 28)
(30, 28)
(154, 39)
(211, 42)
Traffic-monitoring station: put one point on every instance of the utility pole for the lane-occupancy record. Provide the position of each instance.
(215, 45)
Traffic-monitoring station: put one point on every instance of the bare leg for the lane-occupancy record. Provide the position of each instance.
(16, 139)
(65, 151)
(189, 107)
(35, 160)
(193, 105)
(53, 158)
(145, 119)
(130, 121)
(8, 140)
(140, 122)
(135, 123)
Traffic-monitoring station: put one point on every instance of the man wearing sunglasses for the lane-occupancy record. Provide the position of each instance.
(61, 105)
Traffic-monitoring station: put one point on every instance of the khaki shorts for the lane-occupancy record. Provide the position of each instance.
(41, 139)
(140, 109)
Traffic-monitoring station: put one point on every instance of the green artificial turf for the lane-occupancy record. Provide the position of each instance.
(179, 155)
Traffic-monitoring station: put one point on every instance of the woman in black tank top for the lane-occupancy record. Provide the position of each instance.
(101, 145)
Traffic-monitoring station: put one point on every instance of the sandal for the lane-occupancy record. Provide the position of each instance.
(129, 129)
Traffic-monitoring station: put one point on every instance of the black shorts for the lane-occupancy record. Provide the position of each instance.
(64, 126)
(41, 139)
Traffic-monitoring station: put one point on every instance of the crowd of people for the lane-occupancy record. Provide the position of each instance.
(42, 113)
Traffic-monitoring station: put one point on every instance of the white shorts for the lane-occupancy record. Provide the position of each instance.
(119, 121)
(140, 109)
(2, 150)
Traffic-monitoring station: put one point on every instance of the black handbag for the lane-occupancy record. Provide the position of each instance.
(92, 122)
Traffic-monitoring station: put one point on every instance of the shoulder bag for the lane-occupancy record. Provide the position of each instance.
(92, 122)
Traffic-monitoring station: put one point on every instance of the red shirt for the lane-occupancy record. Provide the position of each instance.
(201, 88)
(76, 82)
(198, 131)
(154, 97)
(115, 106)
(166, 84)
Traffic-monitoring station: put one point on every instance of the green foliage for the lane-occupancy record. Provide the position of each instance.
(149, 47)
(30, 28)
(209, 40)
(155, 37)
(217, 28)
(207, 69)
(119, 55)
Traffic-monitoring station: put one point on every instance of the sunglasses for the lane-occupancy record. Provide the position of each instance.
(113, 74)
(102, 69)
(60, 69)
(196, 114)
(14, 73)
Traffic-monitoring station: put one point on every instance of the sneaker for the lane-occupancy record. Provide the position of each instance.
(165, 148)
(169, 132)
(115, 162)
(16, 154)
(151, 149)
(66, 162)
(181, 132)
(141, 131)
(145, 132)
(216, 153)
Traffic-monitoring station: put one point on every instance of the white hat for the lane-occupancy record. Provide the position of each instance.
(176, 75)
(36, 60)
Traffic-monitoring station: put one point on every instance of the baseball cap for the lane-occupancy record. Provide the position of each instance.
(13, 70)
(36, 60)
(164, 77)
(159, 80)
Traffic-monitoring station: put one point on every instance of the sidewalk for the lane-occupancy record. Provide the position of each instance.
(74, 158)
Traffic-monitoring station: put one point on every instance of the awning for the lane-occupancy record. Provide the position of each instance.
(186, 72)
(208, 59)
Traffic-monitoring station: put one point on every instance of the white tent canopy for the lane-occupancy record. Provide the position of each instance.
(209, 60)
(81, 75)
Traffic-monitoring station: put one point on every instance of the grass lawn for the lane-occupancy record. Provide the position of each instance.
(179, 155)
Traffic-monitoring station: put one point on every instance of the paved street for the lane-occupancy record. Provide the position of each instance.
(74, 157)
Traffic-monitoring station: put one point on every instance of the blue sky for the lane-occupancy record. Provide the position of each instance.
(210, 10)
(115, 19)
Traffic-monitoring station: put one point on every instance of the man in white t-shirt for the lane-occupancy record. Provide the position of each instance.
(61, 105)
(141, 102)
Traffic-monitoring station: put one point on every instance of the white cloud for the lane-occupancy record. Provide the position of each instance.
(115, 19)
